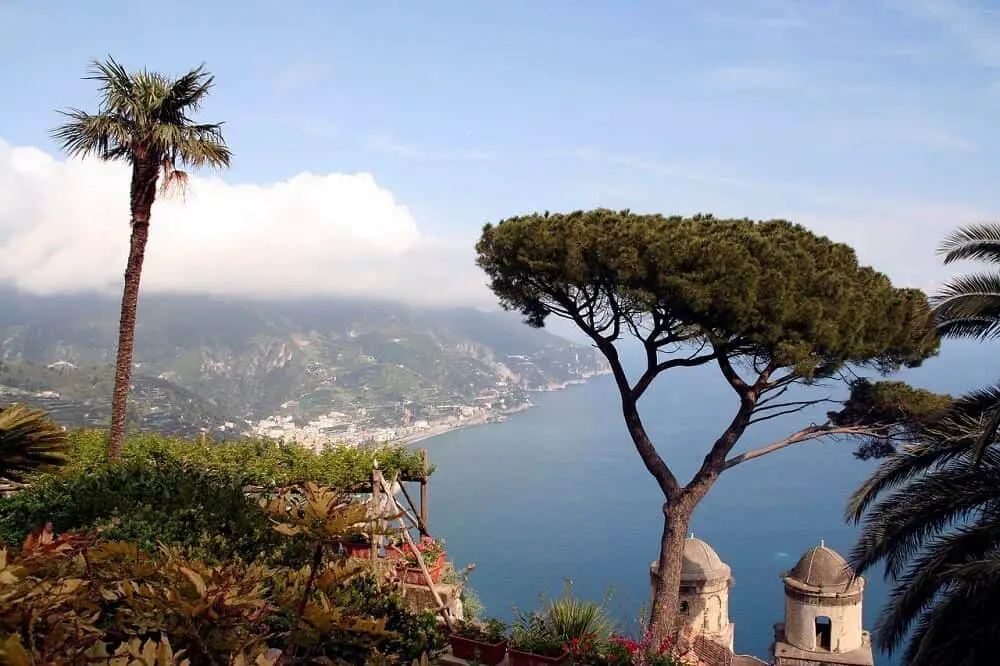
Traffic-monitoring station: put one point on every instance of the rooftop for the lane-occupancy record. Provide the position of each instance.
(824, 570)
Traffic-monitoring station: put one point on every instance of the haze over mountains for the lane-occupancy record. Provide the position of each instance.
(205, 361)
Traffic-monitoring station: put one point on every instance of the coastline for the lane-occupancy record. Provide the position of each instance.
(446, 428)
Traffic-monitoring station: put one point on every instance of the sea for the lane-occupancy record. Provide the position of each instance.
(557, 495)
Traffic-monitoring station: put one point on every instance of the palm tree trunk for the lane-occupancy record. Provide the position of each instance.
(126, 338)
(144, 179)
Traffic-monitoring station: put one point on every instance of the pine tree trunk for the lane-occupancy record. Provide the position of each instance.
(666, 597)
(143, 193)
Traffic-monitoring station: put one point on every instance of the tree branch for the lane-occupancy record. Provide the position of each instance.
(653, 370)
(640, 438)
(734, 379)
(793, 408)
(804, 435)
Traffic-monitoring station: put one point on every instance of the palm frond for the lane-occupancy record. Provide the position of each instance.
(188, 91)
(904, 465)
(117, 86)
(972, 295)
(100, 135)
(29, 442)
(934, 569)
(970, 327)
(975, 241)
(197, 146)
(146, 115)
(898, 525)
(960, 629)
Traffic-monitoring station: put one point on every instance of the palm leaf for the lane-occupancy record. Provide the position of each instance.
(974, 418)
(971, 297)
(902, 467)
(898, 525)
(960, 629)
(29, 442)
(146, 115)
(932, 570)
(975, 241)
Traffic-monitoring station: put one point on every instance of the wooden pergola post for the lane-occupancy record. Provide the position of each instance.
(423, 493)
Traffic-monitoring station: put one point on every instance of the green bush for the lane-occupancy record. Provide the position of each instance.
(261, 461)
(75, 598)
(203, 512)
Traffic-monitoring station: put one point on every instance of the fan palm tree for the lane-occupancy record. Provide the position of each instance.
(143, 119)
(931, 515)
(29, 442)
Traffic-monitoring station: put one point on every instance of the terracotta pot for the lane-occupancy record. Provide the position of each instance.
(358, 549)
(488, 654)
(414, 576)
(518, 658)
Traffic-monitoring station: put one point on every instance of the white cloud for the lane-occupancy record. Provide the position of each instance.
(64, 228)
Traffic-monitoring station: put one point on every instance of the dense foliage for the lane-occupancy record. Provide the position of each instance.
(205, 513)
(771, 290)
(29, 442)
(260, 461)
(66, 599)
(188, 495)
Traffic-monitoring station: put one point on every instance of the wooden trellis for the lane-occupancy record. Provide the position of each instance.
(407, 520)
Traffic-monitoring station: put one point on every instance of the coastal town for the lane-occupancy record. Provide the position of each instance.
(336, 427)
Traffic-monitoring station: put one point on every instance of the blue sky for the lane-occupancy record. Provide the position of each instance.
(873, 122)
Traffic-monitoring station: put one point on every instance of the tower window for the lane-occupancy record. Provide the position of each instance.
(684, 607)
(824, 633)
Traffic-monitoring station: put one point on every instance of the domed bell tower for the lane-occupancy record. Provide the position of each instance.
(704, 594)
(823, 622)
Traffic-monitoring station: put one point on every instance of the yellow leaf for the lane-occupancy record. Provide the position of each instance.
(269, 658)
(287, 530)
(196, 580)
(14, 653)
(68, 586)
(164, 655)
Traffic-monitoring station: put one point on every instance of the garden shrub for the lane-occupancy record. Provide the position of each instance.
(261, 461)
(78, 597)
(205, 513)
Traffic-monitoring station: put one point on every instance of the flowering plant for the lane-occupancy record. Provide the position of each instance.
(645, 652)
(619, 651)
(586, 650)
(428, 549)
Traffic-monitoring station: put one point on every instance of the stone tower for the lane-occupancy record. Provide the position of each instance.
(822, 614)
(704, 594)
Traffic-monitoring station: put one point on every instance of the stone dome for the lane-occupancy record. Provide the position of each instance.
(824, 570)
(702, 563)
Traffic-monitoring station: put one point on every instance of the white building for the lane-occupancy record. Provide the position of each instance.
(823, 621)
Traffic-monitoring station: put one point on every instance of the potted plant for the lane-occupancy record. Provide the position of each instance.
(430, 551)
(533, 644)
(357, 544)
(485, 643)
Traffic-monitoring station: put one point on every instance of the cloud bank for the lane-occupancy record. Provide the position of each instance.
(64, 228)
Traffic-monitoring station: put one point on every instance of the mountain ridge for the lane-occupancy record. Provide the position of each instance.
(238, 360)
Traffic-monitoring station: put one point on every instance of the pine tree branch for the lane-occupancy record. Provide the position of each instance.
(804, 435)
